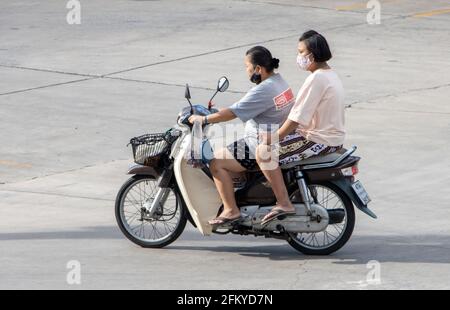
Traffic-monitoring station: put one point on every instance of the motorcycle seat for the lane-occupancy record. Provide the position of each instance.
(319, 159)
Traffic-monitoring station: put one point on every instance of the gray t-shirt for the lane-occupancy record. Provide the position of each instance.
(266, 106)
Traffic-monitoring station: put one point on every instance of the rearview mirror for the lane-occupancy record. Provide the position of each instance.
(223, 84)
(187, 93)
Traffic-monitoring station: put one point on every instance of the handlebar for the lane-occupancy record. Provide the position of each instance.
(198, 110)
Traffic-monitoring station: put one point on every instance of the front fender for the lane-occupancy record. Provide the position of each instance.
(137, 169)
(346, 186)
(142, 170)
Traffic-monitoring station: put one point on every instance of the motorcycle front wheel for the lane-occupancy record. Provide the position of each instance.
(156, 231)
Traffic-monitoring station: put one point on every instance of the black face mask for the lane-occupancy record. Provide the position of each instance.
(255, 78)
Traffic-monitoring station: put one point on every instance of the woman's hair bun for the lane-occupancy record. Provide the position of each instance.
(275, 63)
(261, 56)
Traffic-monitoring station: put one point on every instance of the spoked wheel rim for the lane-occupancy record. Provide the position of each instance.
(330, 200)
(150, 230)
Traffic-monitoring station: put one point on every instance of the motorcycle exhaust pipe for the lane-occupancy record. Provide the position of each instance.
(336, 216)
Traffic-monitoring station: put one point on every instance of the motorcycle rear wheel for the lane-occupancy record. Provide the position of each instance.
(323, 243)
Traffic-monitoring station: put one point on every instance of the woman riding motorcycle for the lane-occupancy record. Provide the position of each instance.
(315, 124)
(265, 105)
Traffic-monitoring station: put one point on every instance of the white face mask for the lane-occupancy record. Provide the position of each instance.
(304, 62)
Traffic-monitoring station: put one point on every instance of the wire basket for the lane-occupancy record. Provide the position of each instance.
(148, 149)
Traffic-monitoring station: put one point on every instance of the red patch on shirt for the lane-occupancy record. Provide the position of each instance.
(284, 99)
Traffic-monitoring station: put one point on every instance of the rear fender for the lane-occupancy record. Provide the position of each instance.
(345, 185)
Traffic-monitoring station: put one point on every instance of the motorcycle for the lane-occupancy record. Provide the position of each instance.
(166, 190)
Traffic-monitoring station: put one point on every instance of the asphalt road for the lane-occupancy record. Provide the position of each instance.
(71, 96)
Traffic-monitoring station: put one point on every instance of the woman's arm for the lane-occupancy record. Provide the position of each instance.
(223, 115)
(288, 127)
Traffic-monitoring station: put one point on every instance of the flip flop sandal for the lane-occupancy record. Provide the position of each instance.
(275, 213)
(224, 220)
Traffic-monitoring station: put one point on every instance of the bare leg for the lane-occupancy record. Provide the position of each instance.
(221, 169)
(275, 177)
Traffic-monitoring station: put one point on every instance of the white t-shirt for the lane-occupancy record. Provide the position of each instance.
(319, 108)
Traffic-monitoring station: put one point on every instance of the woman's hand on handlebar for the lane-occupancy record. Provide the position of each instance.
(196, 118)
